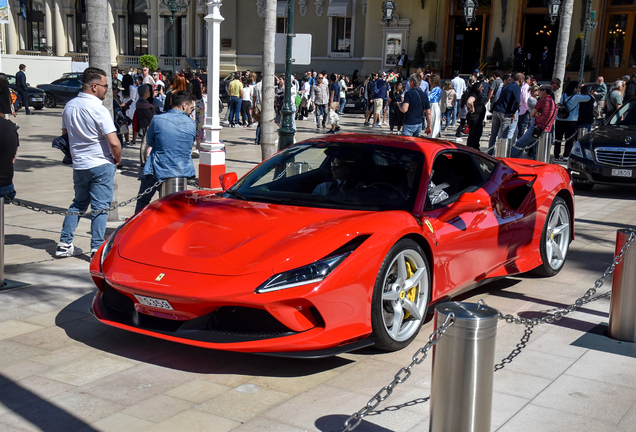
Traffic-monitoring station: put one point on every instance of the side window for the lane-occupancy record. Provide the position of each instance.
(73, 83)
(61, 82)
(453, 173)
(486, 166)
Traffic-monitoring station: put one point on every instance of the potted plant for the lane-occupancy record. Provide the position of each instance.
(429, 47)
(418, 58)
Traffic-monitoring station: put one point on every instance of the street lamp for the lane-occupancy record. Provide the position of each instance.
(470, 7)
(48, 48)
(553, 10)
(388, 9)
(174, 6)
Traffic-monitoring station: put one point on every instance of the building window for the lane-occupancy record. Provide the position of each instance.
(615, 41)
(341, 35)
(137, 28)
(281, 25)
(81, 41)
(35, 25)
(167, 41)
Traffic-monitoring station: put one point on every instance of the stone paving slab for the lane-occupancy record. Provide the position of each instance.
(61, 370)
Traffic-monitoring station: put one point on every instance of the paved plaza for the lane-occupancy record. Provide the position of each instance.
(62, 370)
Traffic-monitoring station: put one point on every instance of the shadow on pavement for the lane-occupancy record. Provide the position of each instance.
(37, 411)
(335, 422)
(178, 356)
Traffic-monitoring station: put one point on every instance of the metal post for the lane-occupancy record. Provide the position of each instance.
(1, 241)
(174, 41)
(582, 132)
(543, 147)
(622, 319)
(173, 185)
(463, 369)
(287, 131)
(584, 47)
(503, 148)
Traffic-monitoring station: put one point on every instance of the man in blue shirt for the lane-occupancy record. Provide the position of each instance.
(169, 137)
(378, 100)
(414, 106)
(504, 113)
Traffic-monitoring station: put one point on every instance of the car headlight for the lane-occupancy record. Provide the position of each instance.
(109, 244)
(314, 272)
(576, 150)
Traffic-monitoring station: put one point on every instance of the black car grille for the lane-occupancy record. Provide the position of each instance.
(118, 301)
(619, 157)
(245, 321)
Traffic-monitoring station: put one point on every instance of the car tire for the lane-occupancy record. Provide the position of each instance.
(555, 238)
(583, 187)
(49, 101)
(401, 296)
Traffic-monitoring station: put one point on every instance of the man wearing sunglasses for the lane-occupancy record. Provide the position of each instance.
(96, 151)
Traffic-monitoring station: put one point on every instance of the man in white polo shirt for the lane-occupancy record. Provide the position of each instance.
(96, 151)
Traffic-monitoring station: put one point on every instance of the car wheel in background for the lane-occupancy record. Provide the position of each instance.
(555, 238)
(401, 296)
(49, 101)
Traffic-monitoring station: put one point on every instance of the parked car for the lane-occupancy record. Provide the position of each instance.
(36, 96)
(223, 82)
(608, 154)
(61, 91)
(72, 75)
(355, 104)
(331, 245)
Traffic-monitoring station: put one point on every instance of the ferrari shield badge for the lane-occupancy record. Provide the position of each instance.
(429, 225)
(158, 278)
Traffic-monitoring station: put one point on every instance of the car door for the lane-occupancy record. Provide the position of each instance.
(69, 89)
(462, 207)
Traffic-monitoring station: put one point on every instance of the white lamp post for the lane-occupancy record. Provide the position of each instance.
(212, 156)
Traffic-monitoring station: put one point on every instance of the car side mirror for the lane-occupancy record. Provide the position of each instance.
(227, 180)
(467, 202)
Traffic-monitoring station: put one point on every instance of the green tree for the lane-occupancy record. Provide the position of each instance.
(575, 58)
(149, 61)
(418, 58)
(497, 53)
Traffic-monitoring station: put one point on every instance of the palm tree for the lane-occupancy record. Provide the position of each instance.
(561, 53)
(268, 132)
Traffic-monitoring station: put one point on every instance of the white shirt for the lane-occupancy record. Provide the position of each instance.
(247, 93)
(88, 122)
(134, 95)
(459, 85)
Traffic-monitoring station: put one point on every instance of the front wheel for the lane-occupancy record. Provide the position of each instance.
(49, 101)
(400, 297)
(555, 238)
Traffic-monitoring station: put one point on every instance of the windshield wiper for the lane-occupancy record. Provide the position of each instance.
(235, 194)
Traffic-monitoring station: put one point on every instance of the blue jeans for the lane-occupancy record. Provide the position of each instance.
(455, 110)
(412, 130)
(92, 186)
(319, 112)
(235, 109)
(258, 133)
(502, 127)
(343, 101)
(522, 124)
(7, 192)
(447, 114)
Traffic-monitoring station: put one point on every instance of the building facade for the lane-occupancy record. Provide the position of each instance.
(346, 34)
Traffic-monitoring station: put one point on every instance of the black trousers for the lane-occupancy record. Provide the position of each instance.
(564, 129)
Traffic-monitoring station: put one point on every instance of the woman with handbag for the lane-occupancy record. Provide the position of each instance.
(567, 115)
(476, 112)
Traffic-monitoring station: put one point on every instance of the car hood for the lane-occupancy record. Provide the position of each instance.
(611, 136)
(207, 234)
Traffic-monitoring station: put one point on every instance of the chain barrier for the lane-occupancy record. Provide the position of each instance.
(560, 313)
(85, 213)
(403, 374)
(567, 139)
(515, 352)
(195, 184)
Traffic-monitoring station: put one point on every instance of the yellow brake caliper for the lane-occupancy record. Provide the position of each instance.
(413, 291)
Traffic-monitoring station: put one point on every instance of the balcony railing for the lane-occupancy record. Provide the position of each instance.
(163, 62)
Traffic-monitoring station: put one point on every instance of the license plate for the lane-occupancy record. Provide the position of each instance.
(621, 173)
(350, 105)
(154, 302)
(37, 99)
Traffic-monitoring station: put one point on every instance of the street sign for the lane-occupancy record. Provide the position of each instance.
(301, 49)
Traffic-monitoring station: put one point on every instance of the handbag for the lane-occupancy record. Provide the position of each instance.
(563, 112)
(256, 112)
(298, 100)
(536, 132)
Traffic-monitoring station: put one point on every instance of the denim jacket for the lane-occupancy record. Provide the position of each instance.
(171, 136)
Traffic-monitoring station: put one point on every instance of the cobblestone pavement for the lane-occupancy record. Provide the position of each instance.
(61, 370)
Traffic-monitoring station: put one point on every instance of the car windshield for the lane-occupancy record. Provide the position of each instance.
(626, 116)
(11, 80)
(350, 176)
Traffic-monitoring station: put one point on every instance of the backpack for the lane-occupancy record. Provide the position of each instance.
(563, 112)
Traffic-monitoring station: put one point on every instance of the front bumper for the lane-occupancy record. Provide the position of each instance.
(586, 171)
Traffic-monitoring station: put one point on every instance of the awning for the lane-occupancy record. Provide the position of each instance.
(339, 8)
(281, 9)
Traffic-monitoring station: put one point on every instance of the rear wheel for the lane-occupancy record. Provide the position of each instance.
(555, 238)
(400, 297)
(49, 101)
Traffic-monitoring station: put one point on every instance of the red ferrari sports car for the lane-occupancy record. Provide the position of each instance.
(331, 245)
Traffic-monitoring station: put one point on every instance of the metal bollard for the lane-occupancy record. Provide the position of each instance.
(582, 132)
(463, 369)
(1, 241)
(543, 148)
(622, 319)
(173, 185)
(503, 148)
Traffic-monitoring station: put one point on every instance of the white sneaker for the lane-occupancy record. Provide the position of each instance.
(66, 250)
(194, 152)
(385, 123)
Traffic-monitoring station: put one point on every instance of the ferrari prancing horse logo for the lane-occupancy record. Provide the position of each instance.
(158, 278)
